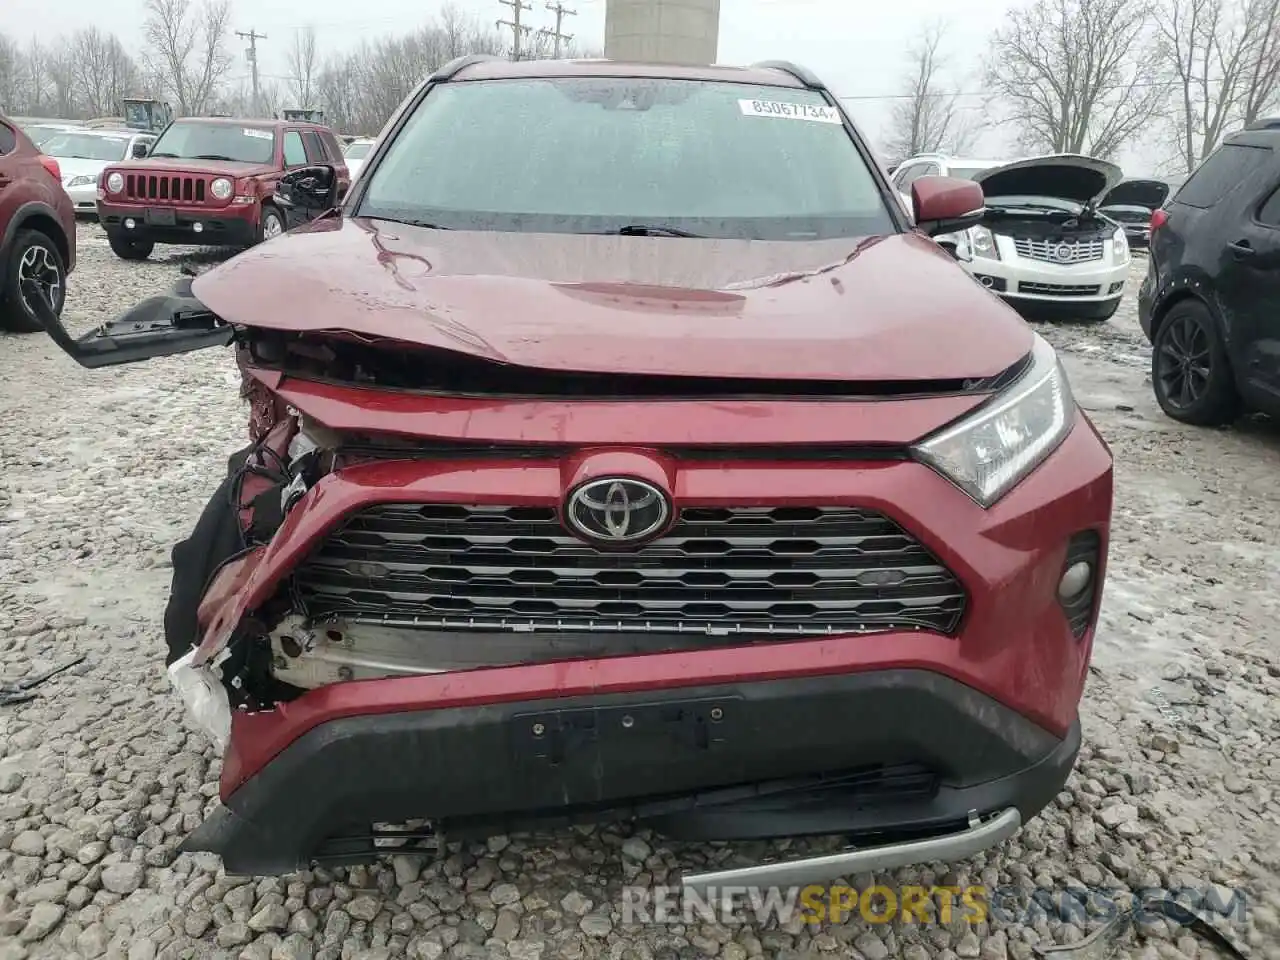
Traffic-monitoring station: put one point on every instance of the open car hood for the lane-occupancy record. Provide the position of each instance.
(1149, 194)
(1065, 176)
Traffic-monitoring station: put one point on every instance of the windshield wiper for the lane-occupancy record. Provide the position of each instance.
(651, 230)
(211, 156)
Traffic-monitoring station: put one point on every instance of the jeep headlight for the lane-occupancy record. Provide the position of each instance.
(221, 188)
(982, 243)
(115, 183)
(990, 451)
(1119, 244)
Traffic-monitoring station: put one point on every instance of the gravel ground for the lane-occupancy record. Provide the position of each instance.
(100, 778)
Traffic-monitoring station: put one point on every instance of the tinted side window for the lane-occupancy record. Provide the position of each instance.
(8, 140)
(315, 150)
(332, 145)
(1270, 212)
(1226, 168)
(295, 154)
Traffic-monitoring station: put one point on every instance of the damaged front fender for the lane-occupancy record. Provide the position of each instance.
(159, 326)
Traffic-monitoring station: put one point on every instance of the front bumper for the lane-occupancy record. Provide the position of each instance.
(1013, 277)
(894, 735)
(729, 761)
(84, 199)
(221, 226)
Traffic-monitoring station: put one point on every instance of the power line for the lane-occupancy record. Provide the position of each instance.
(252, 55)
(518, 29)
(561, 12)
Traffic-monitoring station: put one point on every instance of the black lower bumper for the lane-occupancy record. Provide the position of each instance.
(1064, 309)
(887, 755)
(214, 231)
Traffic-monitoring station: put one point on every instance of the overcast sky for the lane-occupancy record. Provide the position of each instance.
(856, 46)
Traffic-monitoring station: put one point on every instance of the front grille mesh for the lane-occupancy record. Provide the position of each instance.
(741, 571)
(1060, 289)
(1079, 251)
(175, 189)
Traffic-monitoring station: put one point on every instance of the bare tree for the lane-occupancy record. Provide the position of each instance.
(103, 73)
(927, 118)
(302, 67)
(1078, 76)
(36, 79)
(189, 47)
(12, 81)
(1225, 61)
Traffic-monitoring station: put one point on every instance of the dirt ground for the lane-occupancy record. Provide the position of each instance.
(100, 778)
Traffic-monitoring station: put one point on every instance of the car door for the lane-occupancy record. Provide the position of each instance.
(1249, 291)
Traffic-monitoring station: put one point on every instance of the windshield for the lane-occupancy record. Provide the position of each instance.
(39, 134)
(595, 154)
(86, 146)
(965, 173)
(216, 141)
(358, 151)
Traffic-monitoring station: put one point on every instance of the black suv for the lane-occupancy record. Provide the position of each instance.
(1210, 302)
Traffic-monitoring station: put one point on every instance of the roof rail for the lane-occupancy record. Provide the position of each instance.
(458, 64)
(802, 74)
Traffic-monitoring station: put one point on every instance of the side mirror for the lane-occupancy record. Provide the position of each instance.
(309, 187)
(946, 204)
(139, 151)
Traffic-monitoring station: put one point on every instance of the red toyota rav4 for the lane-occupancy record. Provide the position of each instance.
(620, 450)
(210, 181)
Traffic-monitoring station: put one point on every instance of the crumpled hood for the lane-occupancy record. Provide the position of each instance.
(891, 308)
(1148, 194)
(1067, 176)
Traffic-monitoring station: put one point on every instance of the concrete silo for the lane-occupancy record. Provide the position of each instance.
(662, 31)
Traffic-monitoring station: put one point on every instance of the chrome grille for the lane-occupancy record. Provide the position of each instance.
(741, 571)
(1074, 251)
(173, 188)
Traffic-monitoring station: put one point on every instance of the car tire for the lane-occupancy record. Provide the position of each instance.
(272, 219)
(33, 255)
(1191, 374)
(127, 248)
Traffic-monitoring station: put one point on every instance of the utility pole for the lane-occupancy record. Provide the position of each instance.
(518, 29)
(252, 56)
(561, 11)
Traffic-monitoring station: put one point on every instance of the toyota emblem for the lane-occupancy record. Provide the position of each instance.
(617, 510)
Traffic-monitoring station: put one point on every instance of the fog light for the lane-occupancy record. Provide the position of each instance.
(198, 227)
(1075, 581)
(128, 224)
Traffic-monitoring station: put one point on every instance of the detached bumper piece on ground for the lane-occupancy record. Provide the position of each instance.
(554, 521)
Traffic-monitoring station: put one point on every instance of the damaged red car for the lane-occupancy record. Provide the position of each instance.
(621, 451)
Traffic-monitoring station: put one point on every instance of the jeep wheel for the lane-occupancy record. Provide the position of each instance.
(1190, 373)
(33, 257)
(128, 249)
(272, 224)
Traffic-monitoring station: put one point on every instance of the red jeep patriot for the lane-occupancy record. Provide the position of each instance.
(621, 450)
(209, 182)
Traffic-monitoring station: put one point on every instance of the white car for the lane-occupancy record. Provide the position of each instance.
(355, 153)
(82, 155)
(1043, 246)
(936, 165)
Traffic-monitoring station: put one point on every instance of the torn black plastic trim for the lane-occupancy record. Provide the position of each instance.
(159, 326)
(392, 366)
